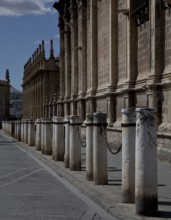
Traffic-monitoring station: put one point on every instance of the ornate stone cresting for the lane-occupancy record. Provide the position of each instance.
(51, 49)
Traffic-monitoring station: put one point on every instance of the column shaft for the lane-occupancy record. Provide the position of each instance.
(93, 44)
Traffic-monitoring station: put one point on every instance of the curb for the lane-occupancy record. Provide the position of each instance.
(99, 194)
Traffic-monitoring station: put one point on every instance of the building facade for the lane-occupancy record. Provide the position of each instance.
(114, 55)
(40, 84)
(5, 97)
(16, 103)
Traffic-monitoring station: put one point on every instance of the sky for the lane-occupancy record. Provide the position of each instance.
(23, 25)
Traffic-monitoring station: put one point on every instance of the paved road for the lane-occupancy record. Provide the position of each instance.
(29, 190)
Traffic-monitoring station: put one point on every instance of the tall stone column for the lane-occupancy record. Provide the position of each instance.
(157, 57)
(93, 44)
(54, 105)
(34, 99)
(131, 57)
(132, 48)
(74, 49)
(45, 92)
(113, 60)
(62, 59)
(82, 56)
(31, 100)
(62, 63)
(41, 95)
(91, 100)
(67, 40)
(157, 41)
(82, 47)
(37, 99)
(60, 6)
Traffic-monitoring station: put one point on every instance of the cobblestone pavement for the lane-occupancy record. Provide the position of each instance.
(29, 190)
(106, 196)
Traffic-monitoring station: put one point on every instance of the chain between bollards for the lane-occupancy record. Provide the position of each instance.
(51, 131)
(107, 144)
(62, 130)
(33, 126)
(79, 135)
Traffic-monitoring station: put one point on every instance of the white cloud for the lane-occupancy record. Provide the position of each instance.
(39, 42)
(24, 7)
(57, 36)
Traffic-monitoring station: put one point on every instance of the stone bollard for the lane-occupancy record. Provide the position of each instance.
(15, 129)
(89, 146)
(6, 126)
(99, 148)
(12, 129)
(25, 130)
(22, 130)
(3, 125)
(19, 130)
(67, 141)
(146, 193)
(47, 134)
(42, 134)
(128, 155)
(9, 128)
(38, 134)
(58, 147)
(75, 148)
(31, 132)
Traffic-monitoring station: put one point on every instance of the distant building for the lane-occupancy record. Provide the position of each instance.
(40, 84)
(4, 97)
(16, 103)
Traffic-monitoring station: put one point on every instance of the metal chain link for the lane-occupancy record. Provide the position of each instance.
(62, 131)
(51, 130)
(33, 126)
(79, 135)
(107, 144)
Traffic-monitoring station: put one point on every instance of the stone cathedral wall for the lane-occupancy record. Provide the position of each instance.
(112, 58)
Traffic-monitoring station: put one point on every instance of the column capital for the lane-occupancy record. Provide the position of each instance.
(74, 9)
(81, 3)
(61, 23)
(67, 14)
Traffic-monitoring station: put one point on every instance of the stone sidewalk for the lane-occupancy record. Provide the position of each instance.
(109, 196)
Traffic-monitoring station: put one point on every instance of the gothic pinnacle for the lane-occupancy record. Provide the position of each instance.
(51, 49)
